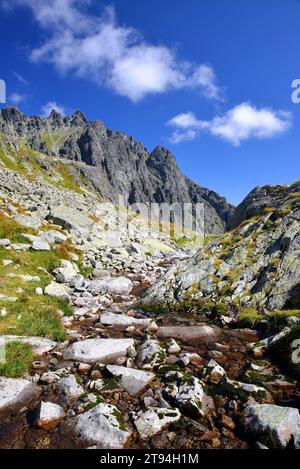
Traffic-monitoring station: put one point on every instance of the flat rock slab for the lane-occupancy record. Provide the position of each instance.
(199, 334)
(40, 345)
(272, 424)
(121, 321)
(16, 394)
(102, 426)
(98, 350)
(133, 381)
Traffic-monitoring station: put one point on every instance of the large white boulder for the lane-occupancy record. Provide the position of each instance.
(102, 427)
(98, 350)
(16, 394)
(272, 424)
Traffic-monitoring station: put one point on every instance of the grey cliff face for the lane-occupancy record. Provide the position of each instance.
(114, 162)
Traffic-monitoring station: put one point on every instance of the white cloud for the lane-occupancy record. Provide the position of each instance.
(238, 124)
(50, 106)
(17, 98)
(98, 48)
(205, 77)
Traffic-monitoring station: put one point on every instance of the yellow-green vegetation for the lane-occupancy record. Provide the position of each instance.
(18, 359)
(273, 321)
(31, 314)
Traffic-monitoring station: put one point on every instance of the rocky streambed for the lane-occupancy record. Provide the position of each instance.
(128, 379)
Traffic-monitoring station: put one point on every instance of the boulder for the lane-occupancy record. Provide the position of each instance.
(53, 236)
(71, 219)
(39, 245)
(40, 345)
(191, 398)
(16, 395)
(102, 427)
(49, 415)
(201, 334)
(154, 420)
(4, 242)
(273, 425)
(122, 321)
(68, 390)
(98, 350)
(57, 290)
(151, 354)
(28, 221)
(133, 381)
(120, 286)
(66, 273)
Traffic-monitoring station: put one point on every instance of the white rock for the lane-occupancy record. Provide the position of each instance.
(122, 321)
(192, 398)
(215, 371)
(53, 236)
(40, 345)
(275, 424)
(7, 262)
(50, 415)
(68, 390)
(16, 394)
(154, 420)
(57, 290)
(153, 327)
(98, 350)
(120, 286)
(4, 242)
(66, 273)
(133, 381)
(150, 354)
(102, 427)
(40, 246)
(173, 347)
(117, 286)
(28, 221)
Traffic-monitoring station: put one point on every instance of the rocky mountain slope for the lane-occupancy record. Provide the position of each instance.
(83, 366)
(255, 265)
(115, 336)
(111, 162)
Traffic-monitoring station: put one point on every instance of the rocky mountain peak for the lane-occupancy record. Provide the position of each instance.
(114, 162)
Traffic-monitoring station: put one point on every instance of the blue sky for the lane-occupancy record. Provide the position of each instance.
(210, 79)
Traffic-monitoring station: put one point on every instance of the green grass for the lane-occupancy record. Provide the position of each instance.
(18, 359)
(32, 314)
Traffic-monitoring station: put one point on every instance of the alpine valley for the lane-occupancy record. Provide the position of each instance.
(116, 336)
